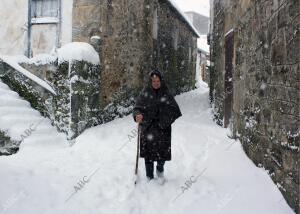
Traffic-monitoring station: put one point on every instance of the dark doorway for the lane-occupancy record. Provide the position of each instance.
(229, 46)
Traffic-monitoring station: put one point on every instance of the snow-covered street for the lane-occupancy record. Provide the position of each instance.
(209, 173)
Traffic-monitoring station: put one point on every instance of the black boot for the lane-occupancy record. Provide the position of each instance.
(149, 169)
(160, 172)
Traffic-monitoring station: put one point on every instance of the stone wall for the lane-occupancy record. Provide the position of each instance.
(177, 49)
(266, 81)
(76, 106)
(125, 50)
(7, 146)
(13, 25)
(217, 72)
(86, 20)
(126, 47)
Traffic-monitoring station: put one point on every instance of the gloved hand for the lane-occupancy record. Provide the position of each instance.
(139, 118)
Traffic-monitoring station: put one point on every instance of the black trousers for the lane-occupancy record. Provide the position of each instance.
(149, 164)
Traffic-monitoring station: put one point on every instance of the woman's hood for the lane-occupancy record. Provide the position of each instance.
(162, 80)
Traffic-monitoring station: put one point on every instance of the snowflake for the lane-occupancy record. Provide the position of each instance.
(163, 99)
(150, 137)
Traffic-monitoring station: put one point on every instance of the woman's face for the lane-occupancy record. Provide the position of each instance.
(155, 82)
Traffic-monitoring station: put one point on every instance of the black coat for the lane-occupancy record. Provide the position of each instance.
(159, 110)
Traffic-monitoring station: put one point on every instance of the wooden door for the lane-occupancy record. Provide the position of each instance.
(228, 88)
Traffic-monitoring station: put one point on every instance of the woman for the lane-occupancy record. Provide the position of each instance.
(155, 111)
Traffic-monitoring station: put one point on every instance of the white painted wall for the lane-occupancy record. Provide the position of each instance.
(66, 25)
(13, 28)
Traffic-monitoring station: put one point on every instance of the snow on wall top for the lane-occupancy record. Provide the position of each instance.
(175, 6)
(71, 51)
(15, 65)
(40, 59)
(78, 51)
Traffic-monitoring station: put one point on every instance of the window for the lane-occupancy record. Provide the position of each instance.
(44, 8)
(44, 26)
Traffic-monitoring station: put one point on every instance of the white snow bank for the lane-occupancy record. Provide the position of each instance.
(202, 43)
(209, 173)
(15, 65)
(78, 51)
(42, 59)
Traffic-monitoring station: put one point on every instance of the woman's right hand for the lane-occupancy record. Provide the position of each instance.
(139, 118)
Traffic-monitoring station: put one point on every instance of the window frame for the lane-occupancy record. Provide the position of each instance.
(43, 17)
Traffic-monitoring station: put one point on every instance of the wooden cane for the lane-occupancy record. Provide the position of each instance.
(137, 155)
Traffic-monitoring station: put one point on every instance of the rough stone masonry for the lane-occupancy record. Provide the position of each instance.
(266, 84)
(137, 36)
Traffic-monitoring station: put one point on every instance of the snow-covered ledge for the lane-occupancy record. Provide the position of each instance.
(45, 20)
(78, 51)
(9, 61)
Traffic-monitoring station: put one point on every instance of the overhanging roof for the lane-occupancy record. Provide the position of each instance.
(183, 16)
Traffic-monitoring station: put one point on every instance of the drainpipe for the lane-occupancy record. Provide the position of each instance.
(28, 51)
(59, 24)
(158, 38)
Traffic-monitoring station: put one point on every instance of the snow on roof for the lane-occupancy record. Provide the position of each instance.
(184, 16)
(10, 61)
(78, 51)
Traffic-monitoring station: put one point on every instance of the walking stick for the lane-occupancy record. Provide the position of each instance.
(137, 155)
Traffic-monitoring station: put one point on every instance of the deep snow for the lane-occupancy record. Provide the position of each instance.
(42, 177)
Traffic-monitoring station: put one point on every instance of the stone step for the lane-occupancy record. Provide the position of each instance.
(13, 101)
(41, 139)
(8, 91)
(16, 118)
(23, 123)
(18, 111)
(3, 85)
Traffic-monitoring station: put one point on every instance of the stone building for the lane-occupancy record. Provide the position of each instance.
(136, 37)
(201, 24)
(133, 37)
(202, 63)
(130, 37)
(255, 83)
